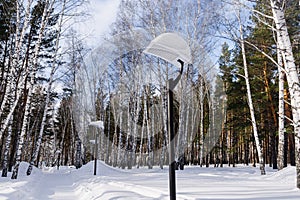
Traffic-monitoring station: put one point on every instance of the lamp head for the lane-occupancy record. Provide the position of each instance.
(170, 47)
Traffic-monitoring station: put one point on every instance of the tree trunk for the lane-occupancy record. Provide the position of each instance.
(201, 138)
(164, 104)
(49, 87)
(128, 146)
(249, 97)
(120, 157)
(182, 135)
(107, 161)
(115, 138)
(164, 130)
(45, 18)
(291, 74)
(6, 150)
(15, 59)
(152, 140)
(280, 156)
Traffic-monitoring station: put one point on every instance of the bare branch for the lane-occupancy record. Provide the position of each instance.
(262, 14)
(265, 54)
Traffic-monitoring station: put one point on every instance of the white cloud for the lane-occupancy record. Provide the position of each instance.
(103, 14)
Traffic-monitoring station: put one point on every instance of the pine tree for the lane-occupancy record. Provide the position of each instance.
(265, 76)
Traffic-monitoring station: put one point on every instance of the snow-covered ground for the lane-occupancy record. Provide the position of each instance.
(113, 183)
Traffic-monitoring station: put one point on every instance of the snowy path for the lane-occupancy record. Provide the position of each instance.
(112, 183)
(56, 186)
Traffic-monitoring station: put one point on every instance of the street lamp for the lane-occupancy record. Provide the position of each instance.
(174, 49)
(97, 124)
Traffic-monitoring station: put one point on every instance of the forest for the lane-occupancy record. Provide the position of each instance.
(238, 102)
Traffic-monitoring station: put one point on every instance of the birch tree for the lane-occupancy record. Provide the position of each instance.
(15, 66)
(39, 138)
(264, 18)
(76, 52)
(65, 7)
(45, 18)
(230, 28)
(6, 149)
(291, 73)
(281, 129)
(154, 17)
(249, 98)
(201, 133)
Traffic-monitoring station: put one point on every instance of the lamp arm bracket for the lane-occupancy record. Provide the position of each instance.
(173, 83)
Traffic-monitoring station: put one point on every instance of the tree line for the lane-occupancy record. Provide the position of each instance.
(242, 108)
(31, 57)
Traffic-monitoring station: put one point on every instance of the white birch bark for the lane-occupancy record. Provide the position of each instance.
(181, 131)
(194, 129)
(134, 142)
(138, 81)
(280, 156)
(115, 139)
(249, 98)
(6, 148)
(291, 73)
(107, 161)
(189, 127)
(184, 121)
(141, 155)
(11, 85)
(144, 124)
(164, 103)
(150, 136)
(21, 139)
(186, 117)
(136, 114)
(19, 38)
(201, 137)
(120, 150)
(49, 87)
(128, 152)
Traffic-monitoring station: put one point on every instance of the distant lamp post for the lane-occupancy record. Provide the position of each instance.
(174, 49)
(96, 124)
(58, 152)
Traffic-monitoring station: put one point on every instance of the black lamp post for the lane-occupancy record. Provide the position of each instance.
(172, 48)
(172, 164)
(96, 124)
